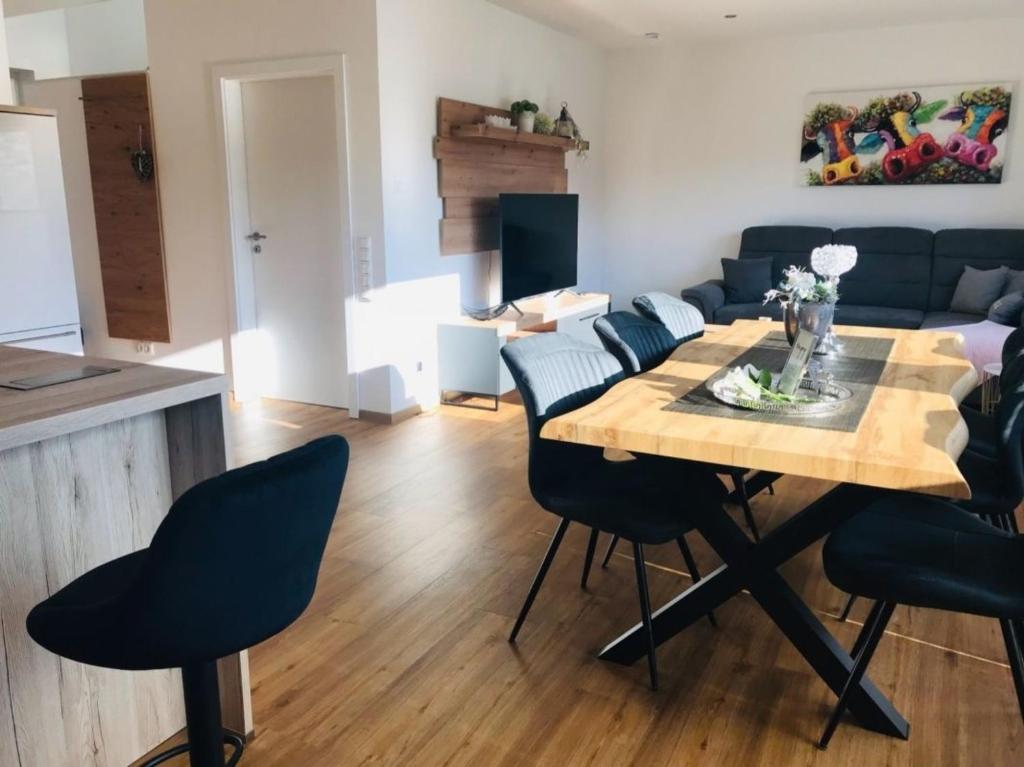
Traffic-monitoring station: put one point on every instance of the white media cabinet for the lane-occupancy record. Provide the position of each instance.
(469, 351)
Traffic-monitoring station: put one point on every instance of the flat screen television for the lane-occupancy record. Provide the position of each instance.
(538, 241)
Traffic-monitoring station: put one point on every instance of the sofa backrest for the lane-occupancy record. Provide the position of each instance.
(785, 245)
(980, 248)
(894, 267)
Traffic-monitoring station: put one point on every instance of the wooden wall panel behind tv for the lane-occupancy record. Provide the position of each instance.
(127, 209)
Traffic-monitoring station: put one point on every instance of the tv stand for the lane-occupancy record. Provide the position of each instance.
(569, 292)
(469, 359)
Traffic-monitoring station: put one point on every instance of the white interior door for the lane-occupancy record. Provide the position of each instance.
(294, 202)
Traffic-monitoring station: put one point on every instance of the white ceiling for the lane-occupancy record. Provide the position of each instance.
(20, 7)
(621, 23)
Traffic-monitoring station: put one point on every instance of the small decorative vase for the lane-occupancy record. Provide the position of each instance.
(814, 317)
(525, 121)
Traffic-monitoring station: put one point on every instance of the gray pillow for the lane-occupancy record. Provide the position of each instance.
(978, 289)
(1008, 309)
(1014, 282)
(748, 279)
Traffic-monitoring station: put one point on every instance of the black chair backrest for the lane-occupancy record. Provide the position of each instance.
(636, 342)
(236, 559)
(684, 321)
(1010, 423)
(556, 374)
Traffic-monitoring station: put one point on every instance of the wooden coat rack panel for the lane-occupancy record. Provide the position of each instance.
(127, 209)
(476, 163)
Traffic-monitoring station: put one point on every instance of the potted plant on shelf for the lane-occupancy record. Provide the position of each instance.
(525, 112)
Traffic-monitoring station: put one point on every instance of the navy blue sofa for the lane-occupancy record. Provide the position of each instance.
(904, 277)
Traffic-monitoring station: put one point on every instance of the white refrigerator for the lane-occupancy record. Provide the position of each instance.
(38, 303)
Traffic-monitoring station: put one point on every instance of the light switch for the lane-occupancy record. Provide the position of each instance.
(364, 267)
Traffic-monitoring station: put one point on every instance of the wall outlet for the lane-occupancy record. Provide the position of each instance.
(419, 367)
(145, 347)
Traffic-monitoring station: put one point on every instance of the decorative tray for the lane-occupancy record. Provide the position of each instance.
(811, 398)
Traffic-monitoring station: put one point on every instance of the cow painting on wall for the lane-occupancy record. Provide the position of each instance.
(935, 135)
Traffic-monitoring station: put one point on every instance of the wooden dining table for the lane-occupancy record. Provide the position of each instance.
(908, 438)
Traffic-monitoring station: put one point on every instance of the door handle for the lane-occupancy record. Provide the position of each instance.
(256, 236)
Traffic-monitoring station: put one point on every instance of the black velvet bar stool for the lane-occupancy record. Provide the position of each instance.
(234, 563)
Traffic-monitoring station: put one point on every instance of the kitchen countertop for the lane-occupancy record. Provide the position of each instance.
(31, 416)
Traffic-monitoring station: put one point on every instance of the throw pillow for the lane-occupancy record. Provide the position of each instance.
(978, 289)
(1014, 282)
(1008, 309)
(746, 279)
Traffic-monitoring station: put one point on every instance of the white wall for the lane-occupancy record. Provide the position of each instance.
(185, 38)
(6, 92)
(707, 140)
(39, 41)
(107, 37)
(472, 51)
(93, 39)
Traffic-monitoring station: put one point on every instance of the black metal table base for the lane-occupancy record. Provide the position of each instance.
(753, 566)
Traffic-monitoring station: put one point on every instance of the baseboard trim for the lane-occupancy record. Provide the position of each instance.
(390, 419)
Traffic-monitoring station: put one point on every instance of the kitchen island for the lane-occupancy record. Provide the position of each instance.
(88, 469)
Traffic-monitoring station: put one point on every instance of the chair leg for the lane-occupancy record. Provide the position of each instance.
(591, 545)
(206, 734)
(846, 610)
(691, 565)
(771, 488)
(740, 483)
(611, 550)
(1012, 638)
(872, 632)
(556, 540)
(645, 611)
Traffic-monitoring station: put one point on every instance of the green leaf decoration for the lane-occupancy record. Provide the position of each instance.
(926, 113)
(764, 379)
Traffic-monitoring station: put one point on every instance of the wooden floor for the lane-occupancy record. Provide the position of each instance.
(402, 657)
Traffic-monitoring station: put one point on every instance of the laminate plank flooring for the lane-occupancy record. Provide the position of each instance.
(402, 657)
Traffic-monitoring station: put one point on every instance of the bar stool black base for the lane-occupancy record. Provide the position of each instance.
(206, 736)
(230, 738)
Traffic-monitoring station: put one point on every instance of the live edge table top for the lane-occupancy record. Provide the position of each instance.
(909, 437)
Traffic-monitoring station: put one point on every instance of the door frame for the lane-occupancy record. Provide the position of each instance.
(227, 91)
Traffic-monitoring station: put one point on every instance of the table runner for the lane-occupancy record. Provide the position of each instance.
(858, 367)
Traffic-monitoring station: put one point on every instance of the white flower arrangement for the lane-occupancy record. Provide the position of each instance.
(749, 383)
(833, 261)
(801, 285)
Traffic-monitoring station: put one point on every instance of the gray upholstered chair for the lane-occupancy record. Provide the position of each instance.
(638, 343)
(640, 501)
(683, 320)
(641, 343)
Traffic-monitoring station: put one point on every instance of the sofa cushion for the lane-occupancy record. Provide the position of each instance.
(978, 289)
(894, 267)
(949, 319)
(1007, 310)
(785, 245)
(1014, 282)
(878, 316)
(747, 280)
(727, 314)
(980, 248)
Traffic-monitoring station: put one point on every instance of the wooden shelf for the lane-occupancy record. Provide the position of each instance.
(484, 131)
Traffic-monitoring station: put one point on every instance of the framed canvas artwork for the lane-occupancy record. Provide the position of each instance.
(949, 134)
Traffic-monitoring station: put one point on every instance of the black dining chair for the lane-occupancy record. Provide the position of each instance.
(234, 563)
(641, 344)
(982, 426)
(913, 550)
(996, 481)
(638, 501)
(683, 320)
